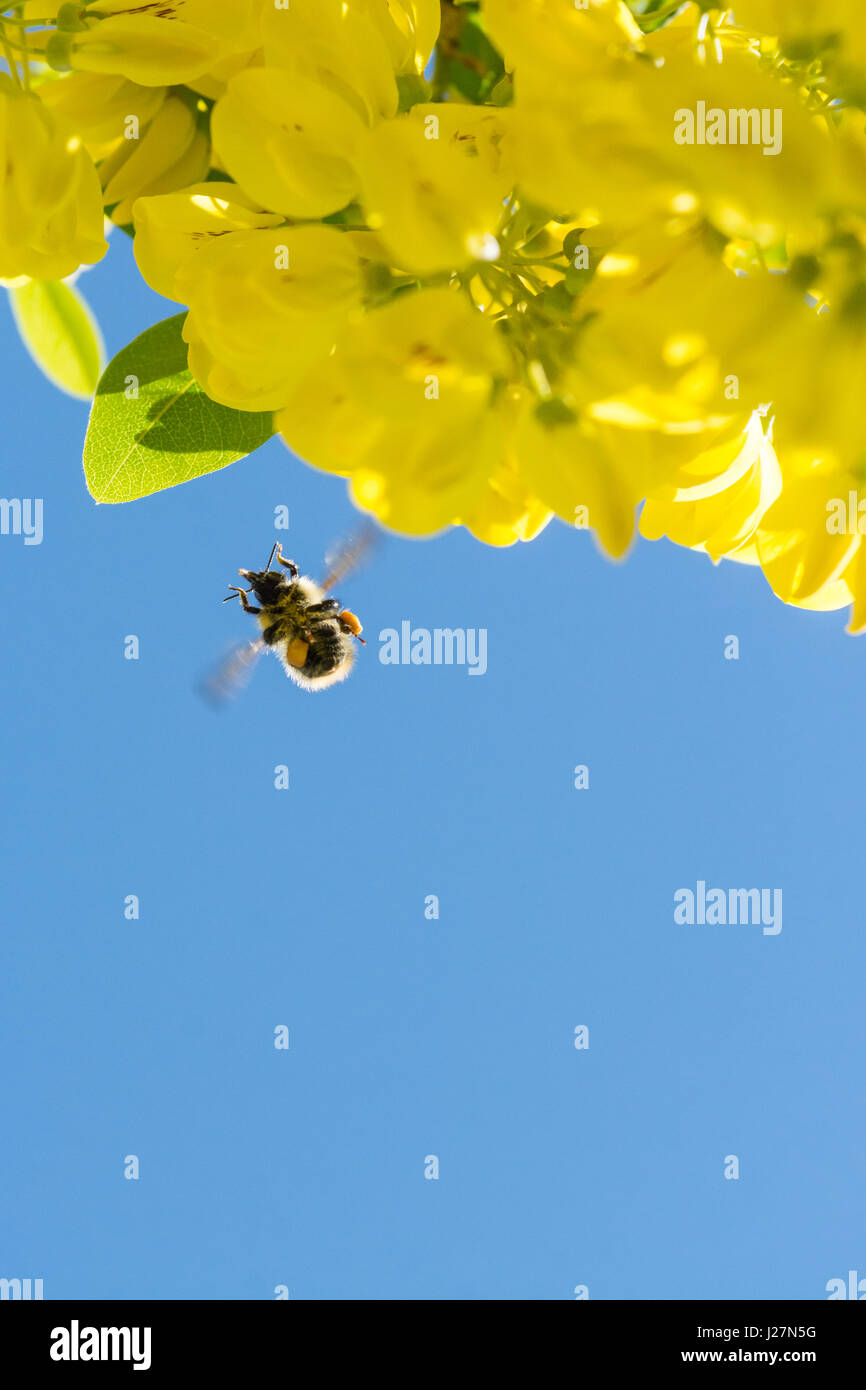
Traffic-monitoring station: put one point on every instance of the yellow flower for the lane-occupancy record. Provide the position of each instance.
(602, 132)
(215, 81)
(409, 27)
(662, 352)
(799, 553)
(739, 140)
(50, 200)
(850, 588)
(478, 132)
(507, 511)
(812, 536)
(290, 132)
(263, 306)
(101, 108)
(335, 44)
(171, 153)
(171, 230)
(144, 140)
(556, 41)
(173, 41)
(651, 404)
(818, 376)
(407, 405)
(435, 198)
(809, 28)
(289, 141)
(716, 501)
(573, 102)
(582, 469)
(703, 353)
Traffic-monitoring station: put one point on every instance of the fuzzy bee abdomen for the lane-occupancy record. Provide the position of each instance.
(316, 663)
(327, 651)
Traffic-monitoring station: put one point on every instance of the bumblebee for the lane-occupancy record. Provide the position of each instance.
(311, 634)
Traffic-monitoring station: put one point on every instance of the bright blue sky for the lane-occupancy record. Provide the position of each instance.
(306, 908)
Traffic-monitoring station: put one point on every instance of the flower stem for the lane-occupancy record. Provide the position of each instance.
(7, 53)
(25, 62)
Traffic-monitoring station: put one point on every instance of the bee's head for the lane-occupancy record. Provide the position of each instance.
(266, 584)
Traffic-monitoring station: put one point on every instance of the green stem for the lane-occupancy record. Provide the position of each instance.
(525, 274)
(540, 260)
(7, 53)
(8, 42)
(25, 64)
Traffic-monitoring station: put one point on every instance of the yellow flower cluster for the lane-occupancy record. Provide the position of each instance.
(600, 255)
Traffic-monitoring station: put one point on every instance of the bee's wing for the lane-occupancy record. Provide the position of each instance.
(349, 554)
(232, 674)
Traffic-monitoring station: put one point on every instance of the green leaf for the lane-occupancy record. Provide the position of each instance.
(152, 426)
(474, 41)
(60, 333)
(466, 81)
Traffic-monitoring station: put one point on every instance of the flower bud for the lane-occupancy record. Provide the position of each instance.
(50, 203)
(170, 153)
(264, 306)
(170, 230)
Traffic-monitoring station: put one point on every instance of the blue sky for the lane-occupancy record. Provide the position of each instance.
(412, 1037)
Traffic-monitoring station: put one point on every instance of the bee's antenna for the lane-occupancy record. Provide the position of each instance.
(271, 556)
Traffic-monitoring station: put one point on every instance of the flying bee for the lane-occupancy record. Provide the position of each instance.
(313, 635)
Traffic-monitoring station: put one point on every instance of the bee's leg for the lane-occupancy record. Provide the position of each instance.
(242, 595)
(328, 605)
(289, 564)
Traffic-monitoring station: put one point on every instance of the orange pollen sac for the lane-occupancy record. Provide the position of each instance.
(296, 652)
(351, 622)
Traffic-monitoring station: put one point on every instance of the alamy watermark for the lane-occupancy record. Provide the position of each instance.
(738, 126)
(720, 907)
(77, 1343)
(846, 517)
(22, 516)
(441, 646)
(21, 1289)
(851, 1288)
